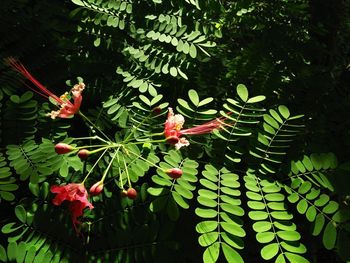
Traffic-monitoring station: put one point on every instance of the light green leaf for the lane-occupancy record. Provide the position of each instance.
(295, 258)
(262, 226)
(231, 255)
(289, 235)
(206, 226)
(193, 95)
(311, 214)
(269, 251)
(211, 254)
(208, 238)
(206, 213)
(242, 92)
(284, 111)
(233, 229)
(302, 206)
(256, 99)
(265, 237)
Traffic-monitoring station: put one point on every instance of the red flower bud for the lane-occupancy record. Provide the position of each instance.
(123, 193)
(62, 148)
(96, 189)
(131, 193)
(156, 110)
(172, 139)
(174, 173)
(83, 154)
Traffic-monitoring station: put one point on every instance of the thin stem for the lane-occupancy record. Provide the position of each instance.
(109, 165)
(93, 125)
(139, 156)
(135, 127)
(91, 138)
(120, 173)
(94, 166)
(127, 172)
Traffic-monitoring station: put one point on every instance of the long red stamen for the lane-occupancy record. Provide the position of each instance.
(25, 73)
(205, 128)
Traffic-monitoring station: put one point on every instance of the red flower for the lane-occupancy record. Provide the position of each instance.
(67, 108)
(174, 123)
(76, 195)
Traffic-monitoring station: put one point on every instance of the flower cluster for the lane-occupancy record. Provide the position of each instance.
(75, 194)
(66, 107)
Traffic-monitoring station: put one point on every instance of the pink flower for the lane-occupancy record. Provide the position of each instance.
(173, 129)
(76, 195)
(67, 108)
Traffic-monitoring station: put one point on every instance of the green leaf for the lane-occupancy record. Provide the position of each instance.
(318, 224)
(206, 213)
(295, 258)
(265, 237)
(8, 228)
(302, 206)
(206, 226)
(231, 255)
(180, 200)
(311, 214)
(269, 251)
(262, 226)
(233, 229)
(207, 239)
(289, 235)
(256, 99)
(330, 208)
(3, 256)
(242, 92)
(211, 254)
(284, 111)
(21, 213)
(329, 236)
(12, 251)
(78, 2)
(193, 95)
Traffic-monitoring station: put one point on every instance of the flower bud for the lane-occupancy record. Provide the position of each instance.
(156, 110)
(62, 148)
(83, 154)
(96, 189)
(174, 173)
(123, 193)
(131, 193)
(172, 139)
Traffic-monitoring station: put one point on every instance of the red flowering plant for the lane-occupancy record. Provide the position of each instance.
(66, 107)
(120, 155)
(173, 129)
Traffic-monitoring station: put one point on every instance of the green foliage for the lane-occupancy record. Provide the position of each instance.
(172, 193)
(257, 188)
(222, 212)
